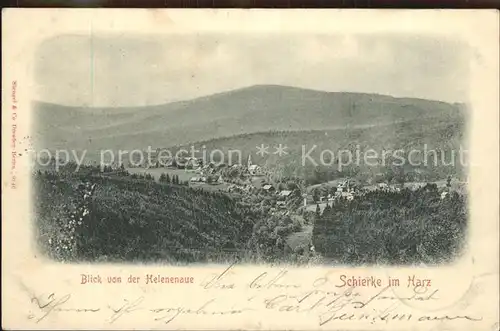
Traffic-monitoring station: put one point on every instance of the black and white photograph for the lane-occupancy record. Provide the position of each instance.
(207, 148)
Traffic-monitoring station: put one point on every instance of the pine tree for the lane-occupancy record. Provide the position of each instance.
(327, 209)
(318, 212)
(316, 195)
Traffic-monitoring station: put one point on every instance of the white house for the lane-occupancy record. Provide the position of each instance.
(253, 169)
(348, 195)
(198, 179)
(285, 193)
(383, 186)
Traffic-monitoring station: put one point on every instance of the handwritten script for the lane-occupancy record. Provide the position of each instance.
(224, 294)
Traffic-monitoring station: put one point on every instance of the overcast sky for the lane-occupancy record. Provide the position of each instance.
(147, 70)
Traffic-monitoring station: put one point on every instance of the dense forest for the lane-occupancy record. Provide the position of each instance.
(91, 215)
(115, 216)
(400, 228)
(126, 219)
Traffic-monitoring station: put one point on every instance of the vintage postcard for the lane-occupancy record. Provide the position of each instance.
(250, 169)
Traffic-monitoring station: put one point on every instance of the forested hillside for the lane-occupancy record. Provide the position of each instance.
(441, 138)
(92, 216)
(114, 216)
(131, 220)
(400, 228)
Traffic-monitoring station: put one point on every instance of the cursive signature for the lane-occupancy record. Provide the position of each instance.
(351, 305)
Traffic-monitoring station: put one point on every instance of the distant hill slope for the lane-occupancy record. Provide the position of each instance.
(445, 135)
(243, 111)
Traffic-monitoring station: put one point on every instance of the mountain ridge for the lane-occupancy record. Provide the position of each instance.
(251, 109)
(250, 87)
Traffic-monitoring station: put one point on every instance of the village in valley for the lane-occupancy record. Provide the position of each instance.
(253, 179)
(290, 219)
(267, 190)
